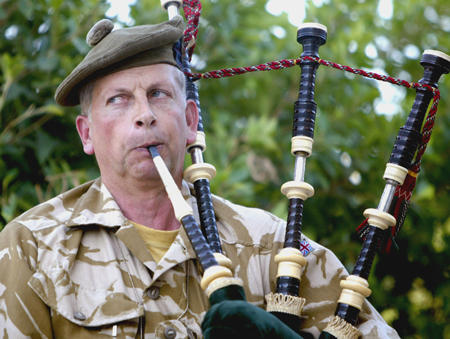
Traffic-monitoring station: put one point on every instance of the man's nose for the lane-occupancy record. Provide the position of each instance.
(145, 117)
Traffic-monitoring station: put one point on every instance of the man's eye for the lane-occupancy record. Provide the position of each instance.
(116, 99)
(157, 93)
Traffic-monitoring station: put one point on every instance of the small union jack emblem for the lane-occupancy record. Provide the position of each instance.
(305, 247)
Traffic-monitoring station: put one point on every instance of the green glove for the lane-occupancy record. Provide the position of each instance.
(235, 319)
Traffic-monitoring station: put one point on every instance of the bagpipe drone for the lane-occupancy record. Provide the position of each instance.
(400, 175)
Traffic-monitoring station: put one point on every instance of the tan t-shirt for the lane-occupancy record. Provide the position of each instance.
(157, 241)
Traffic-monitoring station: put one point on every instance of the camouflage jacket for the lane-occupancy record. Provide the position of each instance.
(75, 267)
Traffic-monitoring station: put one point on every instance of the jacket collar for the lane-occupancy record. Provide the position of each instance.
(96, 206)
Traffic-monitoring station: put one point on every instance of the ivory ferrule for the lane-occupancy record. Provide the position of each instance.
(199, 171)
(290, 263)
(297, 189)
(395, 172)
(302, 144)
(379, 218)
(166, 3)
(437, 53)
(313, 25)
(214, 272)
(223, 260)
(220, 283)
(200, 141)
(354, 290)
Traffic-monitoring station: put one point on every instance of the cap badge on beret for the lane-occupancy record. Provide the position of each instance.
(101, 29)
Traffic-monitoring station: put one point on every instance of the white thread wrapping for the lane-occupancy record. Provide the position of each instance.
(277, 302)
(342, 329)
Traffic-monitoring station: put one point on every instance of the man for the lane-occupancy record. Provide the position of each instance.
(108, 258)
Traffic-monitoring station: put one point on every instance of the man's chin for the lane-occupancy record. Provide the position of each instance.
(147, 173)
(144, 170)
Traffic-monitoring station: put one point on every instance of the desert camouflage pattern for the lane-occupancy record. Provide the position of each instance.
(75, 267)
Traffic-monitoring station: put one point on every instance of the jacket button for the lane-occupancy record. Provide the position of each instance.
(153, 292)
(169, 333)
(79, 316)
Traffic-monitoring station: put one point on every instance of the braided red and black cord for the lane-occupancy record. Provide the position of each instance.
(192, 10)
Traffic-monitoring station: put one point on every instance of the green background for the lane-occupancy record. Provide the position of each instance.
(248, 126)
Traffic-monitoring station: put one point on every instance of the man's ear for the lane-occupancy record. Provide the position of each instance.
(191, 120)
(84, 131)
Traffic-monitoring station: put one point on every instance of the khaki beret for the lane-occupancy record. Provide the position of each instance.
(120, 49)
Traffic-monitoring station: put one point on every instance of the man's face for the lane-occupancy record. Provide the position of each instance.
(133, 109)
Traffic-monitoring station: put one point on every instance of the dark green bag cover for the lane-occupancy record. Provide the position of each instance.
(235, 319)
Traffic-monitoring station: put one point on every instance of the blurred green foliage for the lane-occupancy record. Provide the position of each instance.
(248, 126)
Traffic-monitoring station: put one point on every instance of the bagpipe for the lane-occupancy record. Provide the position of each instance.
(284, 306)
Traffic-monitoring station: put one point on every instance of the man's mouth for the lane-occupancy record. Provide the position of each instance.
(145, 147)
